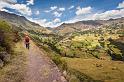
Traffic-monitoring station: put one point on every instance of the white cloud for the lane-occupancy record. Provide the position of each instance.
(98, 16)
(21, 8)
(121, 5)
(9, 1)
(45, 23)
(85, 10)
(47, 11)
(57, 14)
(115, 13)
(37, 12)
(56, 9)
(30, 2)
(53, 8)
(41, 22)
(89, 15)
(71, 7)
(4, 10)
(109, 14)
(93, 16)
(2, 5)
(57, 20)
(61, 9)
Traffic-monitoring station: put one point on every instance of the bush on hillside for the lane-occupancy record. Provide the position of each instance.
(70, 53)
(7, 38)
(96, 54)
(59, 62)
(8, 35)
(115, 53)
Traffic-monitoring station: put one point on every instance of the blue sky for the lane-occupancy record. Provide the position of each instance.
(51, 13)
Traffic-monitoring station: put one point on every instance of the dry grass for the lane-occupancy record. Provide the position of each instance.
(15, 69)
(106, 70)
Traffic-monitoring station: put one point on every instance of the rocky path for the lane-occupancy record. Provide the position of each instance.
(40, 67)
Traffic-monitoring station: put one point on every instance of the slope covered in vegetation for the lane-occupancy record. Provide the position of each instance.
(73, 51)
(8, 37)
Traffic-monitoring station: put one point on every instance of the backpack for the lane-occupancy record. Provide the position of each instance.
(26, 39)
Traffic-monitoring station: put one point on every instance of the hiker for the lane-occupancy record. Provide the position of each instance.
(27, 39)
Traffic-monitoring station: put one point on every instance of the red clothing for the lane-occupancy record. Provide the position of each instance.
(27, 40)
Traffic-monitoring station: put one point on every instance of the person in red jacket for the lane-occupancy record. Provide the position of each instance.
(27, 41)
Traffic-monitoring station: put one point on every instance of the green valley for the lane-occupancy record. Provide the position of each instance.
(94, 55)
(85, 51)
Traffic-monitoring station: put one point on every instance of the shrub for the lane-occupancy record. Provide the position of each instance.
(57, 59)
(78, 53)
(1, 49)
(115, 53)
(59, 62)
(70, 53)
(4, 56)
(96, 54)
(6, 36)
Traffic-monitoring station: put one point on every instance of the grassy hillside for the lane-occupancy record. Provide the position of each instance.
(8, 38)
(87, 55)
(21, 23)
(12, 56)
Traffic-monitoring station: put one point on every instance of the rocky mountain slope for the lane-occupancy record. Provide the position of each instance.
(85, 25)
(24, 24)
(20, 21)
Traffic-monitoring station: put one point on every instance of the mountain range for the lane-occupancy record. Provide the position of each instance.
(85, 25)
(24, 24)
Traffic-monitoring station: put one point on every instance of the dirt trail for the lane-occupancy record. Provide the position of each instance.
(40, 67)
